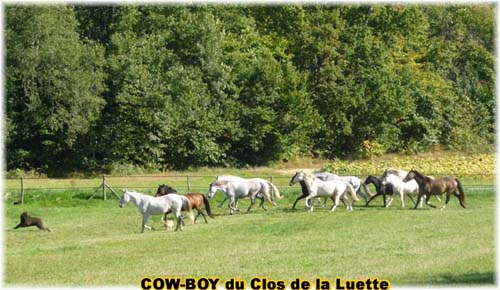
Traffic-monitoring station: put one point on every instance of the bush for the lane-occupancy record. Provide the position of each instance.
(370, 149)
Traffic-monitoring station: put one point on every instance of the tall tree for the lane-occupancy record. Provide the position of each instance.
(54, 86)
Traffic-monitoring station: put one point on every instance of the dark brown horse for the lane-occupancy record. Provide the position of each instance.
(381, 188)
(29, 221)
(197, 200)
(428, 186)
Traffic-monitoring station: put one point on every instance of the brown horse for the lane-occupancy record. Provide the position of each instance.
(428, 186)
(197, 200)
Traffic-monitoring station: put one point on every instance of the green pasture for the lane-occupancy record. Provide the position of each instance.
(97, 243)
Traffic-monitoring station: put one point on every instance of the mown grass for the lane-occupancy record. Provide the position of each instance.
(97, 243)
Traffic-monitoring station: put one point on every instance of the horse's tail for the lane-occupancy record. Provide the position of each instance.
(275, 189)
(462, 193)
(187, 206)
(264, 186)
(366, 189)
(207, 206)
(351, 190)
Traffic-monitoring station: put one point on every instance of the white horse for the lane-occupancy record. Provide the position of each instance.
(240, 188)
(354, 181)
(392, 171)
(150, 205)
(401, 187)
(335, 189)
(265, 186)
(234, 178)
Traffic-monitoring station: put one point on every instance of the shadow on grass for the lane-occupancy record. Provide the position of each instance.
(447, 279)
(487, 278)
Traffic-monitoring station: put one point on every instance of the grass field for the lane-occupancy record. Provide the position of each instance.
(97, 243)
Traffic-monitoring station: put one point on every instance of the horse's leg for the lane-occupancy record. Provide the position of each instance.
(349, 205)
(402, 195)
(145, 218)
(448, 199)
(412, 200)
(419, 199)
(231, 203)
(425, 196)
(459, 196)
(324, 201)
(164, 218)
(335, 203)
(261, 198)
(234, 198)
(200, 212)
(198, 209)
(427, 201)
(178, 217)
(309, 203)
(345, 200)
(371, 198)
(252, 202)
(223, 201)
(298, 198)
(204, 217)
(363, 195)
(390, 200)
(333, 200)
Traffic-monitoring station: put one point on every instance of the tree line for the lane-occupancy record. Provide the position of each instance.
(176, 86)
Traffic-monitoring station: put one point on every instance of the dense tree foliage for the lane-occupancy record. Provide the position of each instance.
(162, 86)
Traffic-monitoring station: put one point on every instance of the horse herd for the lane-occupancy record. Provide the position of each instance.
(343, 189)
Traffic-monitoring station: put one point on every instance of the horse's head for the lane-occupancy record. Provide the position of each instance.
(211, 190)
(298, 177)
(164, 190)
(370, 179)
(214, 186)
(124, 199)
(411, 175)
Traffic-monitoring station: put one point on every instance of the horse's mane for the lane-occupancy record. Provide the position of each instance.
(220, 182)
(167, 189)
(304, 187)
(419, 174)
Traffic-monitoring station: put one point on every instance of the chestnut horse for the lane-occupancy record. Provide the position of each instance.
(197, 200)
(428, 186)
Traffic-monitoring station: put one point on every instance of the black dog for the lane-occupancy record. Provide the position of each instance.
(28, 221)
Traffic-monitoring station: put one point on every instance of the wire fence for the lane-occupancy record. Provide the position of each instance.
(183, 183)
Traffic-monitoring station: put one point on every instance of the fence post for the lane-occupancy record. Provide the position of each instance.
(22, 189)
(188, 180)
(104, 187)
